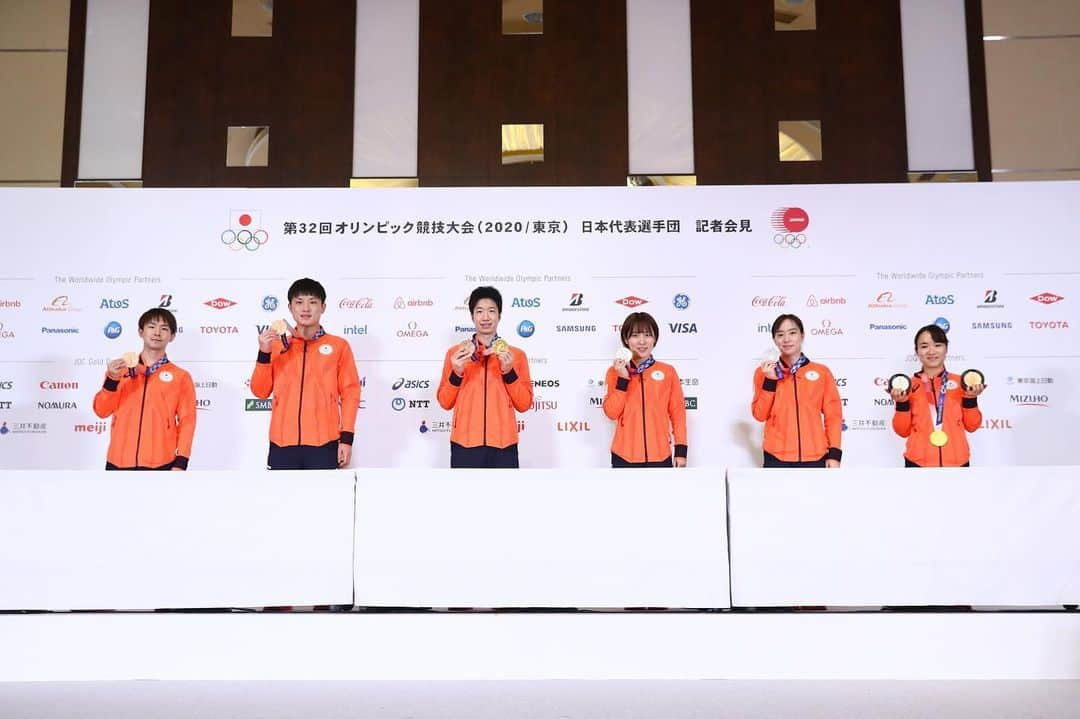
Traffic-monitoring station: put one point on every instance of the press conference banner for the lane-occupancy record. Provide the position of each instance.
(863, 266)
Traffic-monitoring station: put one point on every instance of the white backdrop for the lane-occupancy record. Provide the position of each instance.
(873, 257)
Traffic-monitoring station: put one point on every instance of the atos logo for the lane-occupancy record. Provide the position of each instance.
(113, 330)
(1047, 298)
(683, 328)
(943, 324)
(940, 299)
(219, 303)
(529, 302)
(631, 301)
(269, 303)
(402, 383)
(526, 328)
(112, 304)
(681, 301)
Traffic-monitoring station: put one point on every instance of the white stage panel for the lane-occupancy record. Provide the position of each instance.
(97, 540)
(989, 536)
(526, 538)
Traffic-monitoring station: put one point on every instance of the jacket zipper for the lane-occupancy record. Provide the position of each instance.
(142, 410)
(485, 397)
(644, 434)
(300, 406)
(798, 424)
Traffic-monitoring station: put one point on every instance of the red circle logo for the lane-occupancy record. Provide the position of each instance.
(795, 219)
(245, 219)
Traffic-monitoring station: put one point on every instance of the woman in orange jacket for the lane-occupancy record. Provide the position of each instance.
(645, 399)
(798, 402)
(937, 411)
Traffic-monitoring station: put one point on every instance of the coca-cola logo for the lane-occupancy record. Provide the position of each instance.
(773, 301)
(357, 303)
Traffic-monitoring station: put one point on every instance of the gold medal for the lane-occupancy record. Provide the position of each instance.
(900, 382)
(972, 378)
(624, 354)
(131, 359)
(280, 326)
(938, 438)
(500, 345)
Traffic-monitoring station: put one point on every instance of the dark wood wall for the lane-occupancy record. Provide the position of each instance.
(200, 80)
(747, 77)
(473, 79)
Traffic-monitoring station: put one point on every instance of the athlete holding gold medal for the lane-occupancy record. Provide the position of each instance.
(934, 409)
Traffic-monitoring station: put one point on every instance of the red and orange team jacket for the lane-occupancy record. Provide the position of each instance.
(648, 409)
(153, 418)
(484, 399)
(792, 410)
(316, 391)
(913, 420)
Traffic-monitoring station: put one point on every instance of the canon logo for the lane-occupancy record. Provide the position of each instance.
(358, 303)
(46, 384)
(219, 330)
(774, 301)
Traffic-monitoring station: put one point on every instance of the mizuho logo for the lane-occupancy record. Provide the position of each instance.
(526, 302)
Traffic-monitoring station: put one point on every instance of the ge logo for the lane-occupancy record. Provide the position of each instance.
(398, 404)
(270, 303)
(789, 239)
(681, 301)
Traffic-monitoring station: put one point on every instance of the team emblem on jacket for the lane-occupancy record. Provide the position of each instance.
(812, 375)
(657, 375)
(166, 376)
(325, 349)
(951, 384)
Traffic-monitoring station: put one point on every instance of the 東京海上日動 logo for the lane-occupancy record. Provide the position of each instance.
(245, 231)
(790, 224)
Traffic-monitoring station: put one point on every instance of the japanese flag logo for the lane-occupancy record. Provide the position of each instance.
(245, 231)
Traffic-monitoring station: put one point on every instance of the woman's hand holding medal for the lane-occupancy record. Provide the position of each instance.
(622, 359)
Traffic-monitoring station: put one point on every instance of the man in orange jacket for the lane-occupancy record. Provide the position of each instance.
(484, 380)
(151, 401)
(316, 389)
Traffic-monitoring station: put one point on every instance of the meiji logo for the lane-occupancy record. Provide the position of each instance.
(631, 301)
(574, 426)
(1051, 325)
(546, 383)
(357, 303)
(790, 224)
(95, 428)
(114, 304)
(774, 301)
(219, 303)
(258, 405)
(46, 384)
(1047, 298)
(219, 329)
(245, 231)
(827, 328)
(530, 302)
(683, 328)
(940, 299)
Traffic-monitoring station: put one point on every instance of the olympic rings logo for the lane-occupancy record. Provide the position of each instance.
(244, 239)
(789, 239)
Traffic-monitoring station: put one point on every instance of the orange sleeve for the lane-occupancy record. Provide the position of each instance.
(348, 385)
(449, 387)
(901, 420)
(615, 398)
(971, 414)
(833, 409)
(262, 378)
(520, 385)
(185, 419)
(677, 412)
(764, 396)
(107, 398)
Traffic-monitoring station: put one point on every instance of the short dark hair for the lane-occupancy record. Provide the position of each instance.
(638, 322)
(793, 318)
(937, 335)
(158, 313)
(485, 293)
(307, 286)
